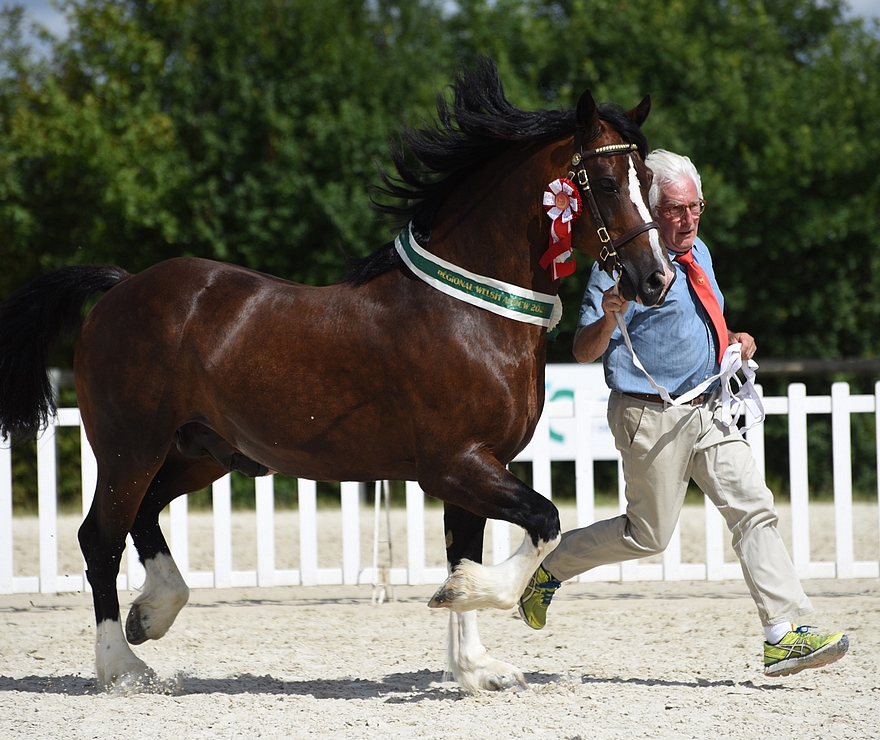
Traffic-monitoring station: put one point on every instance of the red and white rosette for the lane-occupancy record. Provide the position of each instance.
(562, 200)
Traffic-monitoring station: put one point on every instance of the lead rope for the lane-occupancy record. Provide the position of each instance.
(733, 403)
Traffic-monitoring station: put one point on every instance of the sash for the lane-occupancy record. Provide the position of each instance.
(510, 301)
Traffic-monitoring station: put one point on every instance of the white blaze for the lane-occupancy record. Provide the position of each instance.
(635, 195)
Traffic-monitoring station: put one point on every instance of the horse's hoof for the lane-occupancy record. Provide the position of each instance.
(444, 597)
(457, 592)
(132, 679)
(506, 680)
(134, 627)
(494, 675)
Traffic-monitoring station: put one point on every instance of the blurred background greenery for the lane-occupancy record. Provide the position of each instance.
(250, 131)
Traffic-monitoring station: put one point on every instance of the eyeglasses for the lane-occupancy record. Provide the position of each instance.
(676, 211)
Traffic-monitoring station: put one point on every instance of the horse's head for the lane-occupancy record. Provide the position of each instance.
(617, 228)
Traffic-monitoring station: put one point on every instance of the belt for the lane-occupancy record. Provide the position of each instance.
(653, 398)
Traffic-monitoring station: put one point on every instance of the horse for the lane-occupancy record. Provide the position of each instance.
(425, 363)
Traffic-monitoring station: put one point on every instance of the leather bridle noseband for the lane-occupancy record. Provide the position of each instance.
(578, 175)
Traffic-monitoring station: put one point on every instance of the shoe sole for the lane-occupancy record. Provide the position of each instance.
(822, 657)
(522, 615)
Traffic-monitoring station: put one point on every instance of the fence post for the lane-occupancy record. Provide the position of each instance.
(221, 495)
(585, 482)
(415, 534)
(842, 446)
(672, 555)
(180, 534)
(877, 447)
(6, 549)
(351, 532)
(755, 435)
(307, 503)
(264, 491)
(799, 478)
(89, 473)
(715, 529)
(541, 477)
(47, 504)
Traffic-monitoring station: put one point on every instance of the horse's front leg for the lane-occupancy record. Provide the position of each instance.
(491, 491)
(468, 661)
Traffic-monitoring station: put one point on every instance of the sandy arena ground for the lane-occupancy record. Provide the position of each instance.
(616, 660)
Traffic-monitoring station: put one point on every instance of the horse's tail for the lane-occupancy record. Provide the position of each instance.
(31, 323)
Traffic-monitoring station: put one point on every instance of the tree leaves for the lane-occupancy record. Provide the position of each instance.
(250, 132)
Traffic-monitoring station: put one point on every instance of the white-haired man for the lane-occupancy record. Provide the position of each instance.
(664, 446)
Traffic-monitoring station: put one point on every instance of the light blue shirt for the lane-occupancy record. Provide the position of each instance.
(675, 341)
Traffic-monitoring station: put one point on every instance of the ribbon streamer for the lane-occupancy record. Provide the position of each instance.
(562, 200)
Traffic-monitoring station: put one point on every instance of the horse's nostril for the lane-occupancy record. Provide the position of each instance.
(655, 281)
(652, 288)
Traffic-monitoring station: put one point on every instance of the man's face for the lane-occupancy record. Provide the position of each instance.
(678, 231)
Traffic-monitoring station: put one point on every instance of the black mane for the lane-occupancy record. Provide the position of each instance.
(477, 126)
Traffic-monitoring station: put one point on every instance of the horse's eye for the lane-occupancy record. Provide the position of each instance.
(608, 184)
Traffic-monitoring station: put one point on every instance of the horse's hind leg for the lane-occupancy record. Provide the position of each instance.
(469, 662)
(102, 540)
(165, 592)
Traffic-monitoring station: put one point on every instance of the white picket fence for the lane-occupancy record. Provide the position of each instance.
(573, 427)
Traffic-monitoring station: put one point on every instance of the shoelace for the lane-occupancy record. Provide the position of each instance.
(548, 588)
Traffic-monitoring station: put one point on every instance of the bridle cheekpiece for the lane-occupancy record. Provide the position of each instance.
(578, 175)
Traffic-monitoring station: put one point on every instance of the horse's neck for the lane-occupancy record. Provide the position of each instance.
(494, 226)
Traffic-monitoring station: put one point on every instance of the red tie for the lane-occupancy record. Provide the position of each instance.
(703, 288)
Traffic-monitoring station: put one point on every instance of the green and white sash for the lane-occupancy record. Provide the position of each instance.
(511, 301)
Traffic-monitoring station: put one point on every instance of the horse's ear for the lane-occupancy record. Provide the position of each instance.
(639, 114)
(587, 112)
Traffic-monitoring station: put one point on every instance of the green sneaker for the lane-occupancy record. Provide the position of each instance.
(536, 598)
(801, 649)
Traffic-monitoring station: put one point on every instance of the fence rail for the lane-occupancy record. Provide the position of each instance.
(572, 428)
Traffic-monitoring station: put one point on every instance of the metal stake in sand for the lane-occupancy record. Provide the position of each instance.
(382, 576)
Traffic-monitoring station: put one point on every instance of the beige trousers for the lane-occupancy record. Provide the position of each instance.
(663, 448)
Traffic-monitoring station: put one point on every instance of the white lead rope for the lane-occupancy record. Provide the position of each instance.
(733, 403)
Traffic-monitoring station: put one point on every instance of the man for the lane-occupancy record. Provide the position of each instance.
(663, 446)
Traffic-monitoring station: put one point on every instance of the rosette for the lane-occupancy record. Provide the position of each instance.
(562, 201)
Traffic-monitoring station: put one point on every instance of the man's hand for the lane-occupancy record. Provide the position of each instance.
(613, 303)
(592, 340)
(746, 340)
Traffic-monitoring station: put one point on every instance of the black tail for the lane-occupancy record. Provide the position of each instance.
(31, 322)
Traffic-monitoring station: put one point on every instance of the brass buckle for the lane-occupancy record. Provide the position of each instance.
(603, 236)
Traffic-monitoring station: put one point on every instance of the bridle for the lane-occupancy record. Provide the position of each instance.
(578, 175)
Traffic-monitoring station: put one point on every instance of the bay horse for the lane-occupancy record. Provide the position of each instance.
(192, 368)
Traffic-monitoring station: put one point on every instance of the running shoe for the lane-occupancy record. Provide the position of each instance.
(536, 598)
(801, 649)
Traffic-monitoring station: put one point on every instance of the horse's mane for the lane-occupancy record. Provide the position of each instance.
(475, 127)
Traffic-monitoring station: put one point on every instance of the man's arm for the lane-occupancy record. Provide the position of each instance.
(592, 340)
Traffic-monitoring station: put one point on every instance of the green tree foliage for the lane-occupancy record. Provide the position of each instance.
(250, 132)
(246, 132)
